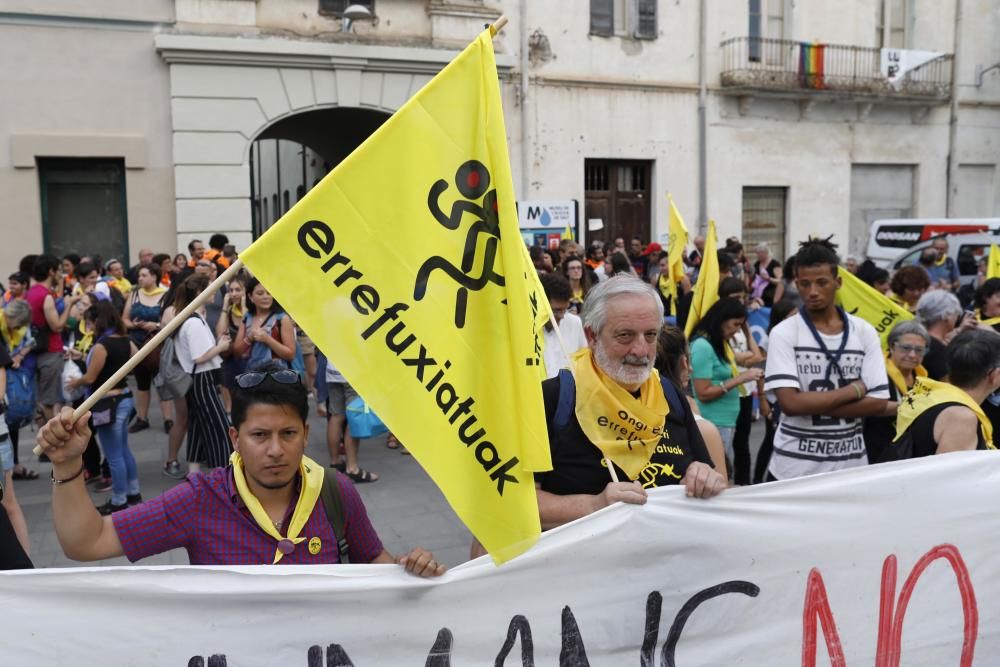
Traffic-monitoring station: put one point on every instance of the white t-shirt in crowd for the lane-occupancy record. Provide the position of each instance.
(193, 340)
(806, 445)
(740, 344)
(571, 328)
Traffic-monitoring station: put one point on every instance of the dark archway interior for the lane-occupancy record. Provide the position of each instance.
(294, 154)
(333, 133)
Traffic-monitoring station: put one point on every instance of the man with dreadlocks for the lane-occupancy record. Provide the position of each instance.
(826, 370)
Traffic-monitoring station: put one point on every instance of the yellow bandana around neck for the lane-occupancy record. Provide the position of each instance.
(13, 337)
(312, 482)
(927, 393)
(624, 428)
(663, 284)
(896, 375)
(155, 291)
(991, 322)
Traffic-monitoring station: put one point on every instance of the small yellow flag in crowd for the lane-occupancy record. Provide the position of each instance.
(862, 300)
(676, 245)
(406, 266)
(993, 266)
(706, 290)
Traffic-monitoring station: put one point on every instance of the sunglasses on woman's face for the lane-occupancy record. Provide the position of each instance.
(251, 379)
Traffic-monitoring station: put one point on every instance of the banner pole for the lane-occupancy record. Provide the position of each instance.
(154, 342)
(498, 25)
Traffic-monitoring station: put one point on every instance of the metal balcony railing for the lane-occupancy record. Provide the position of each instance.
(781, 64)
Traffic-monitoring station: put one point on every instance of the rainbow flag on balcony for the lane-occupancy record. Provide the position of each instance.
(811, 65)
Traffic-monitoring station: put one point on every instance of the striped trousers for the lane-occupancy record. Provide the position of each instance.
(208, 423)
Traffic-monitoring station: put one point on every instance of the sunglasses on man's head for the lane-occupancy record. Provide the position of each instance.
(251, 379)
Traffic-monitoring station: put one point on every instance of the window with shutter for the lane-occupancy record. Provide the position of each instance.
(602, 17)
(646, 23)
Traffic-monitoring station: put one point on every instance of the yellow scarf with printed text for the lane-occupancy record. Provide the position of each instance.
(896, 375)
(927, 393)
(312, 482)
(624, 428)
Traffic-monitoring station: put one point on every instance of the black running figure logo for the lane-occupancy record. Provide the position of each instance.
(473, 181)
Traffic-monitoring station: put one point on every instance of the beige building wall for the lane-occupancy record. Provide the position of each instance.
(180, 89)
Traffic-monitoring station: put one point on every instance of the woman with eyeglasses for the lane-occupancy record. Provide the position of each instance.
(199, 354)
(908, 342)
(579, 282)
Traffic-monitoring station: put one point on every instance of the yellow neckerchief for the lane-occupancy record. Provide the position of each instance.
(899, 302)
(731, 358)
(14, 337)
(237, 313)
(312, 481)
(927, 393)
(86, 339)
(155, 291)
(663, 284)
(941, 260)
(578, 294)
(624, 428)
(993, 321)
(896, 375)
(121, 284)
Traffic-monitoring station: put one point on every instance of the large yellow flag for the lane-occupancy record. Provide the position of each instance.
(406, 266)
(993, 265)
(706, 290)
(861, 299)
(676, 244)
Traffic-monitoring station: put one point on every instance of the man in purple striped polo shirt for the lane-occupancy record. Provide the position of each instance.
(263, 508)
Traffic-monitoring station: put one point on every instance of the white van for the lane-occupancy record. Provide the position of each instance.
(888, 238)
(966, 250)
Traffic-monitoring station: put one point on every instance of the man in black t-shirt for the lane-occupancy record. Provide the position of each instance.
(622, 320)
(938, 417)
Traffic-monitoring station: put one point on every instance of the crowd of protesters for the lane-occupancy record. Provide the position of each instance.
(826, 385)
(831, 394)
(69, 324)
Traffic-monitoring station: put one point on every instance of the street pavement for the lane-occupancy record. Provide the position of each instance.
(404, 505)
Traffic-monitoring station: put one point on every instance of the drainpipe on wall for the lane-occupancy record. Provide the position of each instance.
(951, 168)
(525, 157)
(702, 139)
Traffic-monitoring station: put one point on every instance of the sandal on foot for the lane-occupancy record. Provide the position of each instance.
(362, 476)
(24, 473)
(391, 442)
(339, 467)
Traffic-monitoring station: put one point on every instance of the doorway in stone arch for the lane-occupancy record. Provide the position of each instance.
(294, 154)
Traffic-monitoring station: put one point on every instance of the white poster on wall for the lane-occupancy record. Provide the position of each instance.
(897, 63)
(886, 565)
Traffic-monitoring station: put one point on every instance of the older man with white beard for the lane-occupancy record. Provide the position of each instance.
(611, 405)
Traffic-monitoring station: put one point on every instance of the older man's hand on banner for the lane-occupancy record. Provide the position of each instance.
(701, 481)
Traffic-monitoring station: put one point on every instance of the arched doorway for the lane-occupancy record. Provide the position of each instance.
(291, 156)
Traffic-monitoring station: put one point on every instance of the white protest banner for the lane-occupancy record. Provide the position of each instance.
(882, 566)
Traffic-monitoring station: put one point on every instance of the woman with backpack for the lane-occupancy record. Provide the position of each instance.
(198, 353)
(143, 310)
(110, 415)
(15, 337)
(265, 334)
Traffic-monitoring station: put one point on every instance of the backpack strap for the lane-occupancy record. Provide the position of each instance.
(566, 405)
(567, 398)
(333, 504)
(676, 402)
